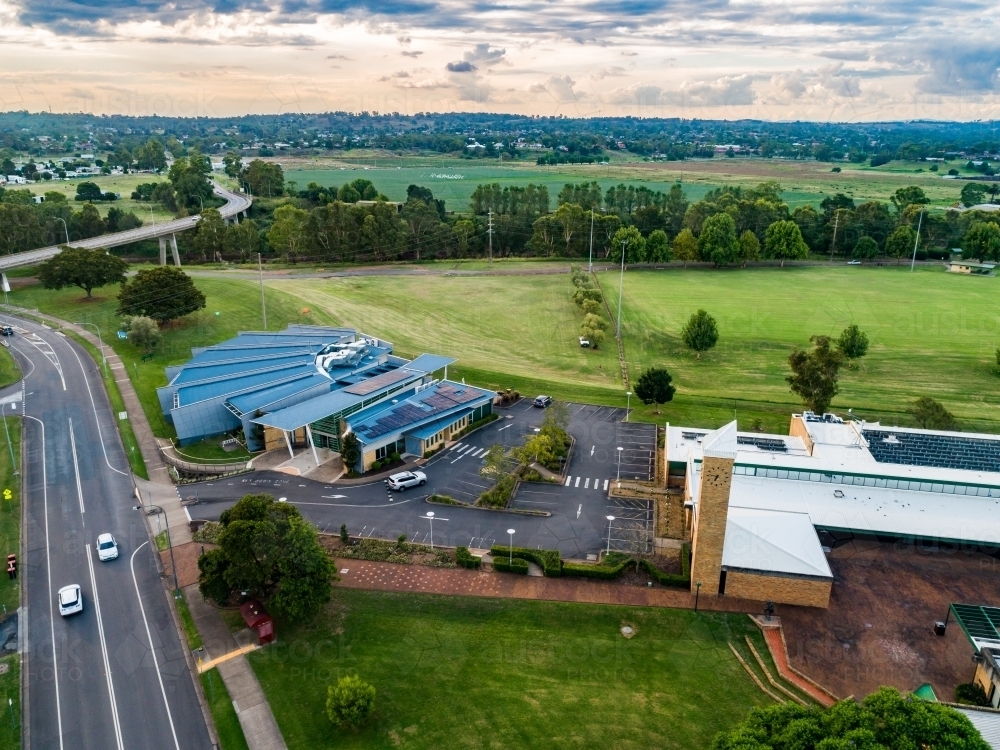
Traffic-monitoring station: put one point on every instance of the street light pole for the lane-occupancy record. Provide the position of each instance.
(916, 241)
(430, 517)
(590, 265)
(510, 549)
(104, 357)
(619, 479)
(621, 283)
(65, 228)
(610, 521)
(628, 404)
(170, 545)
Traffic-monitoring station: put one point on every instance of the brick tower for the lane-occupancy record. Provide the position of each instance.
(709, 535)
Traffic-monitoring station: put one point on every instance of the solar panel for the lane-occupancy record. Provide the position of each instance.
(379, 381)
(765, 444)
(928, 449)
(444, 397)
(693, 435)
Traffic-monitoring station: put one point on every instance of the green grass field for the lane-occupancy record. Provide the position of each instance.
(10, 510)
(452, 179)
(10, 715)
(227, 723)
(122, 184)
(463, 672)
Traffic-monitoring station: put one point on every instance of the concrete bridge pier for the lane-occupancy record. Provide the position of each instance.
(163, 251)
(173, 250)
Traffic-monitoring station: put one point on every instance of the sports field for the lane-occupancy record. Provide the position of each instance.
(454, 179)
(462, 672)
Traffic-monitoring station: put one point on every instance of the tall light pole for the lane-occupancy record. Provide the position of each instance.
(590, 265)
(610, 521)
(104, 356)
(628, 403)
(510, 549)
(263, 306)
(619, 480)
(836, 223)
(151, 217)
(916, 241)
(65, 228)
(157, 509)
(621, 283)
(430, 517)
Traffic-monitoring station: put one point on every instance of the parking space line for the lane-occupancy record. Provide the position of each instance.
(605, 485)
(568, 480)
(577, 482)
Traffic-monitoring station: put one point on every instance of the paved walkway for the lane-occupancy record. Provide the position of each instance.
(361, 574)
(776, 645)
(256, 719)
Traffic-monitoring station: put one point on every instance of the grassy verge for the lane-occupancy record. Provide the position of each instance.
(190, 629)
(132, 451)
(227, 723)
(522, 673)
(10, 510)
(161, 541)
(10, 713)
(9, 371)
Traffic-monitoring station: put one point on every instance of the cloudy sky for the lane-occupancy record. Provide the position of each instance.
(770, 59)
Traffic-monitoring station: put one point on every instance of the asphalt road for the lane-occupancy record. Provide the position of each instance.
(578, 523)
(113, 676)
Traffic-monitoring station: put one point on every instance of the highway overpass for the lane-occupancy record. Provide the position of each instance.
(236, 204)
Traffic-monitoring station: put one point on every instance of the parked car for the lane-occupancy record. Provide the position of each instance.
(543, 401)
(406, 479)
(854, 262)
(70, 600)
(584, 343)
(107, 547)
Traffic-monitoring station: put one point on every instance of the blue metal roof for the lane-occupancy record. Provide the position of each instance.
(192, 394)
(431, 362)
(211, 371)
(269, 394)
(233, 354)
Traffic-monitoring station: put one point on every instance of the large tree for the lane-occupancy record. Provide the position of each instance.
(287, 234)
(783, 240)
(264, 179)
(853, 342)
(685, 246)
(982, 241)
(815, 373)
(209, 234)
(655, 387)
(931, 415)
(718, 242)
(901, 242)
(268, 550)
(87, 269)
(908, 196)
(164, 293)
(634, 245)
(865, 249)
(973, 193)
(885, 720)
(86, 223)
(701, 333)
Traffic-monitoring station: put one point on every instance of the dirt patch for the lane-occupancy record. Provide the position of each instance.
(670, 516)
(879, 627)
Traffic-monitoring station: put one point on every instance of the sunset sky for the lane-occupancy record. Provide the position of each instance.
(768, 59)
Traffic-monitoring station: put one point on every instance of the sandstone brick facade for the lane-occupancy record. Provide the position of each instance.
(709, 534)
(806, 592)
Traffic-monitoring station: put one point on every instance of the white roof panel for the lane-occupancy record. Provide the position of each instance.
(986, 721)
(773, 542)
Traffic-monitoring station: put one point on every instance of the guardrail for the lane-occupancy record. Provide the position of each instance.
(236, 203)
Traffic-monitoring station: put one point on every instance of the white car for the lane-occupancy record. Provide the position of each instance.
(585, 343)
(107, 547)
(406, 479)
(70, 600)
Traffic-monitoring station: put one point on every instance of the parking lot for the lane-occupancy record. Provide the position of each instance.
(579, 507)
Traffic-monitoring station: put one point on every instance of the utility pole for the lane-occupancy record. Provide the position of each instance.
(916, 241)
(263, 306)
(490, 214)
(836, 221)
(590, 266)
(621, 284)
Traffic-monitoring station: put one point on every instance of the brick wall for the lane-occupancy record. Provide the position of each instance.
(709, 534)
(798, 429)
(780, 589)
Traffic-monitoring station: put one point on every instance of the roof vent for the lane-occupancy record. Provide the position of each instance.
(838, 493)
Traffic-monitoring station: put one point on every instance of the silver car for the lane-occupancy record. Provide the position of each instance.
(406, 479)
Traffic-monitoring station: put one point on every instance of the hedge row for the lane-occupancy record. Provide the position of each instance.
(609, 569)
(547, 559)
(516, 565)
(466, 559)
(491, 417)
(679, 580)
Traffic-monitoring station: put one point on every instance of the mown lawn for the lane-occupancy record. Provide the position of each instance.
(462, 672)
(10, 510)
(932, 334)
(233, 305)
(227, 723)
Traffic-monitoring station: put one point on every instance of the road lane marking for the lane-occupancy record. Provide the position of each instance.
(76, 466)
(152, 649)
(104, 645)
(48, 569)
(596, 483)
(592, 449)
(346, 505)
(586, 485)
(97, 419)
(579, 510)
(478, 452)
(577, 482)
(505, 427)
(605, 485)
(568, 480)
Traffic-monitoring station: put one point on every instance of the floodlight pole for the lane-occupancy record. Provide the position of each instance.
(510, 549)
(916, 241)
(104, 356)
(610, 521)
(490, 232)
(430, 517)
(3, 415)
(628, 403)
(65, 228)
(263, 306)
(836, 222)
(590, 265)
(619, 479)
(621, 284)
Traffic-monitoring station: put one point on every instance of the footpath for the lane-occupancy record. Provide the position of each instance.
(255, 715)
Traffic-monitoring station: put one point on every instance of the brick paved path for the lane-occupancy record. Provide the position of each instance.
(776, 646)
(360, 574)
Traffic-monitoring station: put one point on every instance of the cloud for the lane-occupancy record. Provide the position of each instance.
(837, 83)
(404, 40)
(613, 71)
(790, 85)
(462, 66)
(960, 69)
(412, 53)
(846, 54)
(559, 88)
(728, 91)
(337, 57)
(482, 55)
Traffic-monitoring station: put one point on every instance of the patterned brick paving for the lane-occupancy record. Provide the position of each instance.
(360, 574)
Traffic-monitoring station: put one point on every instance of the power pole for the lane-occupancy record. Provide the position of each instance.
(916, 241)
(263, 306)
(621, 284)
(491, 236)
(836, 221)
(590, 266)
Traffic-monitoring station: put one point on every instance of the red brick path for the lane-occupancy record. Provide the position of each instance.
(360, 574)
(777, 648)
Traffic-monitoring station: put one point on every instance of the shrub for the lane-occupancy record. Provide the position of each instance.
(971, 694)
(466, 559)
(500, 494)
(508, 565)
(343, 533)
(547, 559)
(443, 499)
(208, 533)
(611, 567)
(376, 465)
(350, 702)
(394, 457)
